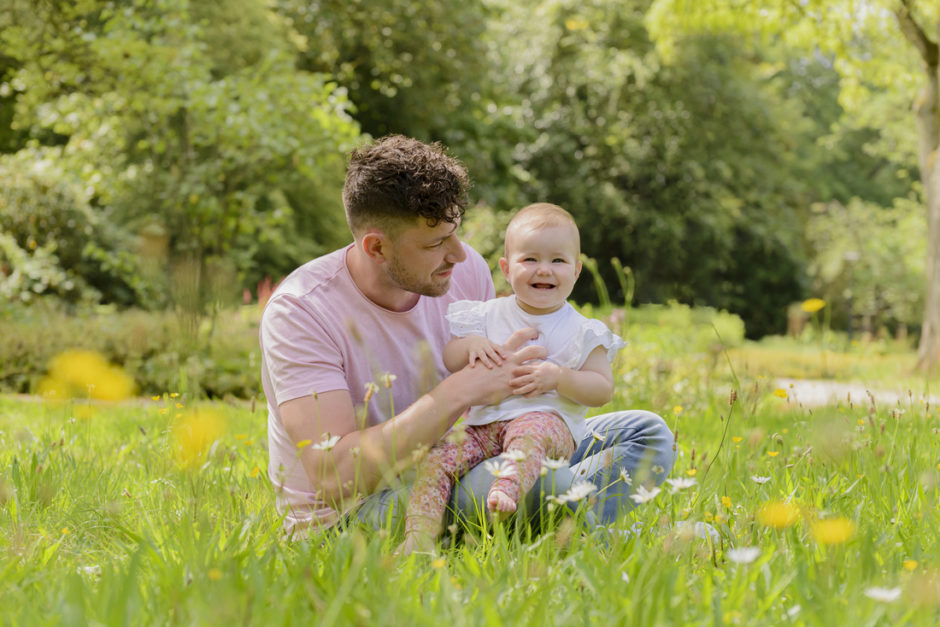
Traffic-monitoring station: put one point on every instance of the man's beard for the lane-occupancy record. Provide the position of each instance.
(406, 280)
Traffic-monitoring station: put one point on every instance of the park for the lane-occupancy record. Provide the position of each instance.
(758, 198)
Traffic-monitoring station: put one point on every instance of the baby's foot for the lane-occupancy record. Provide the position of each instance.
(500, 504)
(415, 542)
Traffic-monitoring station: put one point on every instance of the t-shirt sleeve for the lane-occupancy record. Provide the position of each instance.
(482, 276)
(300, 356)
(467, 317)
(595, 333)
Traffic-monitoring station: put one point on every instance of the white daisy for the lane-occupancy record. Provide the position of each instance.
(326, 444)
(499, 469)
(514, 455)
(625, 476)
(554, 464)
(597, 436)
(743, 555)
(759, 479)
(642, 495)
(681, 483)
(884, 595)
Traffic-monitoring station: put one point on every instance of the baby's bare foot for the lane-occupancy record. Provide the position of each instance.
(500, 504)
(415, 542)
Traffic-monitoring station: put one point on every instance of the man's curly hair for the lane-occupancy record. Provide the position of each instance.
(397, 179)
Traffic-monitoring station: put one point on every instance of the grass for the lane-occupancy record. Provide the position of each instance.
(101, 523)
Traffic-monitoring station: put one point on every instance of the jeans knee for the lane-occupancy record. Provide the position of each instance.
(661, 439)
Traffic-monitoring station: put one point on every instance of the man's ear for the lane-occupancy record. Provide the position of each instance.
(375, 245)
(504, 266)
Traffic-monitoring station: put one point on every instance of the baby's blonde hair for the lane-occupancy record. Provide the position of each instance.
(540, 215)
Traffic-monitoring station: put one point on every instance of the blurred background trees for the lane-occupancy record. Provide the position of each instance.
(162, 153)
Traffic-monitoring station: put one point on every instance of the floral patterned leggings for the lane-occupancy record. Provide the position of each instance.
(530, 438)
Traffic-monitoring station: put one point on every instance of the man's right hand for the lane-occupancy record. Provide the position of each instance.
(490, 386)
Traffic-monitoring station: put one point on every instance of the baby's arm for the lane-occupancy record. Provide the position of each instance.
(592, 385)
(460, 351)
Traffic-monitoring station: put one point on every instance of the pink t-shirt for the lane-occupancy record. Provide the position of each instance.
(319, 333)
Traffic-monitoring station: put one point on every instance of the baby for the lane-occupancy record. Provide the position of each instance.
(545, 416)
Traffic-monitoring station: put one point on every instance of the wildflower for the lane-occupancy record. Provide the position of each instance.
(254, 472)
(778, 514)
(773, 453)
(691, 472)
(677, 409)
(303, 443)
(658, 470)
(780, 393)
(759, 480)
(642, 495)
(388, 378)
(93, 571)
(726, 501)
(327, 443)
(371, 388)
(215, 574)
(812, 305)
(883, 595)
(553, 464)
(580, 490)
(514, 455)
(680, 483)
(910, 565)
(744, 555)
(438, 563)
(597, 436)
(736, 439)
(156, 398)
(86, 374)
(195, 433)
(174, 394)
(65, 531)
(625, 476)
(499, 469)
(833, 530)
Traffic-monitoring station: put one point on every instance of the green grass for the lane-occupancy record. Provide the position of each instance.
(100, 524)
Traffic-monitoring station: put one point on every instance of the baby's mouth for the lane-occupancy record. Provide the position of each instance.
(543, 286)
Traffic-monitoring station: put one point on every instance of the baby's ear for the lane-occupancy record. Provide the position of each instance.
(577, 268)
(504, 266)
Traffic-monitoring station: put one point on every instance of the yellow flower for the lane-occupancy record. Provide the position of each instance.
(778, 514)
(780, 393)
(303, 443)
(773, 453)
(708, 516)
(726, 501)
(195, 433)
(812, 305)
(65, 532)
(438, 563)
(576, 23)
(910, 565)
(156, 398)
(832, 530)
(736, 439)
(691, 472)
(677, 409)
(174, 394)
(215, 574)
(254, 472)
(85, 374)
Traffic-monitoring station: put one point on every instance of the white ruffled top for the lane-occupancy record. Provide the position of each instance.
(567, 336)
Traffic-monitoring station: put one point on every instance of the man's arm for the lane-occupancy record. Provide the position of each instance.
(592, 385)
(361, 458)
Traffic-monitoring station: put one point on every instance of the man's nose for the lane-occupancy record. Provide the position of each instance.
(455, 252)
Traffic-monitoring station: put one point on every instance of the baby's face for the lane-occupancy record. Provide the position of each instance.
(542, 265)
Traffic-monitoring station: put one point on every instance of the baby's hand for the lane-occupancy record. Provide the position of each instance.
(535, 378)
(485, 351)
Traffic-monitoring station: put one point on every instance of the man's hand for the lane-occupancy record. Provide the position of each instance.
(533, 379)
(485, 351)
(492, 385)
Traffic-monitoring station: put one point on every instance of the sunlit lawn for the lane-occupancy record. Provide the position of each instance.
(107, 520)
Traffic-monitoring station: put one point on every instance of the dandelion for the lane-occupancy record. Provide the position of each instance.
(174, 394)
(736, 439)
(156, 398)
(194, 433)
(812, 305)
(910, 565)
(759, 480)
(254, 472)
(303, 444)
(681, 483)
(778, 514)
(65, 531)
(833, 530)
(780, 393)
(743, 555)
(327, 443)
(883, 595)
(625, 476)
(86, 374)
(726, 501)
(773, 453)
(499, 469)
(642, 495)
(677, 409)
(691, 472)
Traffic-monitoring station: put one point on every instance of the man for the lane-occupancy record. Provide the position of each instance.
(352, 365)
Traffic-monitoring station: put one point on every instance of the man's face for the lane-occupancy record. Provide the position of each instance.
(421, 258)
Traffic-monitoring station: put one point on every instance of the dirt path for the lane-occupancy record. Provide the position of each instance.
(814, 393)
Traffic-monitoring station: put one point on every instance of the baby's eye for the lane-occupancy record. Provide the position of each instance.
(529, 259)
(559, 260)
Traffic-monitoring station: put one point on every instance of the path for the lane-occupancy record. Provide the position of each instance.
(814, 393)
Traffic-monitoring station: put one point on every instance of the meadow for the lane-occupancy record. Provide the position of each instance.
(126, 512)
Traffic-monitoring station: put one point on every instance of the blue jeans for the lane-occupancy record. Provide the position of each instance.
(635, 441)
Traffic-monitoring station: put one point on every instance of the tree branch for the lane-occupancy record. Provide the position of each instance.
(915, 34)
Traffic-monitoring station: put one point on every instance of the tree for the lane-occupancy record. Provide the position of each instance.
(874, 43)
